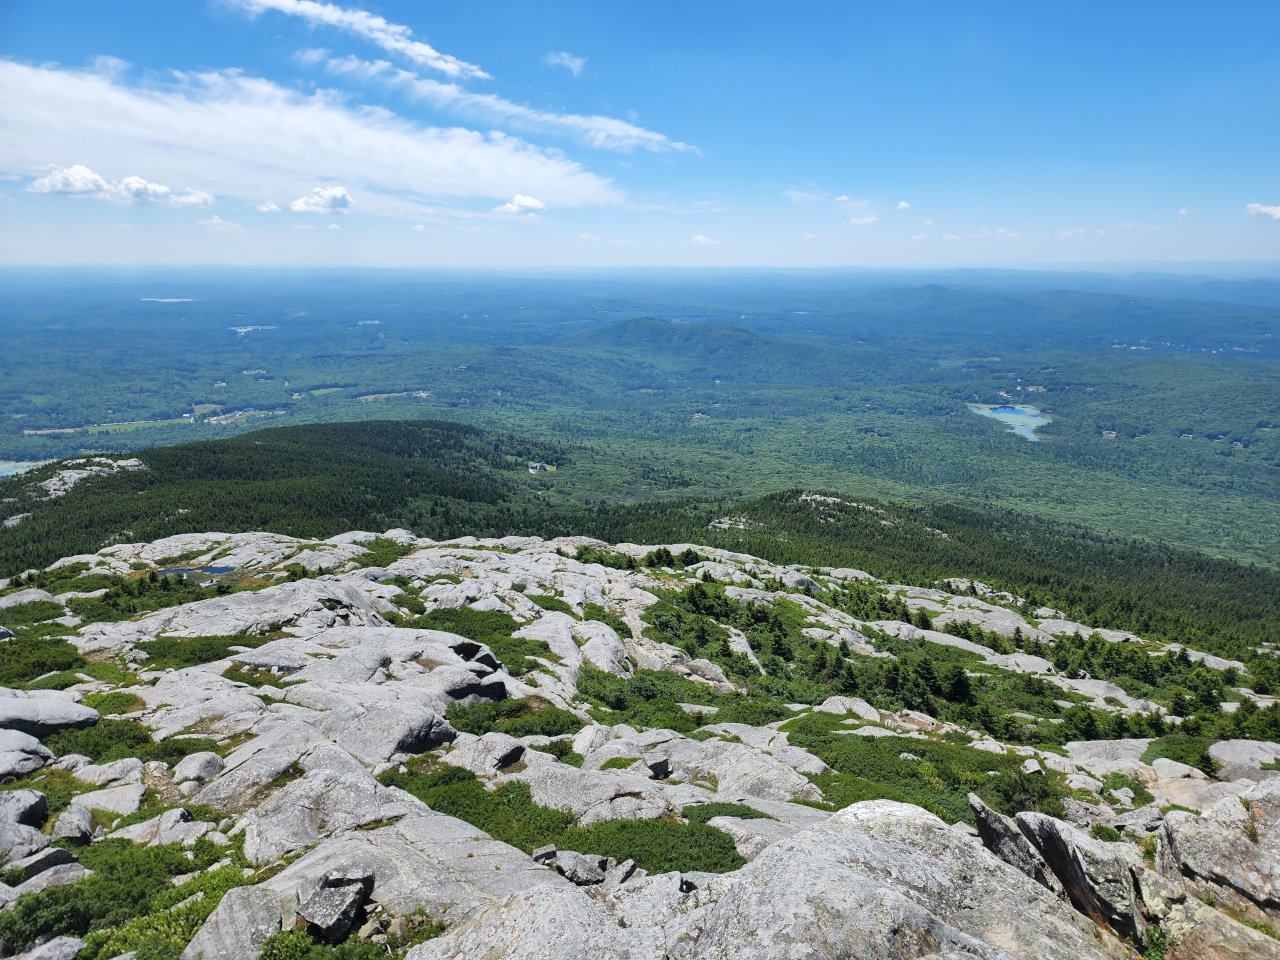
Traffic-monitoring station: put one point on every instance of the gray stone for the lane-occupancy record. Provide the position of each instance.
(117, 773)
(754, 835)
(319, 803)
(1097, 876)
(21, 754)
(581, 869)
(17, 840)
(1000, 835)
(62, 875)
(237, 928)
(331, 911)
(592, 796)
(855, 705)
(1217, 851)
(38, 863)
(197, 766)
(74, 824)
(121, 801)
(59, 948)
(41, 713)
(27, 807)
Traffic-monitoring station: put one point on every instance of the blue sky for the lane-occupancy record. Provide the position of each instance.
(709, 134)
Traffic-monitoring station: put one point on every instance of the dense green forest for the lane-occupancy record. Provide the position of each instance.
(724, 387)
(444, 480)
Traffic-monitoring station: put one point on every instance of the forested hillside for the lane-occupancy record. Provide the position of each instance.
(446, 480)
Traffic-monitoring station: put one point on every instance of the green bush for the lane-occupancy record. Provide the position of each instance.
(1100, 831)
(517, 718)
(547, 602)
(105, 741)
(22, 659)
(381, 552)
(26, 614)
(1119, 781)
(1181, 748)
(702, 812)
(755, 711)
(617, 763)
(117, 701)
(298, 944)
(658, 846)
(55, 681)
(179, 652)
(494, 629)
(510, 815)
(127, 881)
(593, 611)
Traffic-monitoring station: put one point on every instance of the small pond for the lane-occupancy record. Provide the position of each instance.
(1022, 420)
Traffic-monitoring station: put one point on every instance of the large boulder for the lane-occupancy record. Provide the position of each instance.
(237, 928)
(29, 807)
(320, 803)
(21, 754)
(41, 713)
(121, 801)
(883, 879)
(1000, 835)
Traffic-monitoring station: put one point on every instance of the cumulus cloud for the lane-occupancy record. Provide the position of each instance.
(704, 241)
(80, 181)
(1258, 210)
(602, 133)
(243, 136)
(267, 207)
(1067, 234)
(392, 37)
(217, 223)
(520, 204)
(567, 60)
(841, 199)
(862, 221)
(419, 228)
(334, 226)
(324, 200)
(903, 205)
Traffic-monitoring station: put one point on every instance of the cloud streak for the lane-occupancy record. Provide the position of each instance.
(600, 132)
(391, 37)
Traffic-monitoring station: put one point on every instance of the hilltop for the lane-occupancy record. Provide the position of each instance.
(580, 749)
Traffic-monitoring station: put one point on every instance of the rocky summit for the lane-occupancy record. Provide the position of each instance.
(232, 746)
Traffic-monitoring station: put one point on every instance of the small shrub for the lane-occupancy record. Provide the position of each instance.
(298, 944)
(617, 763)
(179, 652)
(658, 846)
(22, 659)
(117, 701)
(494, 629)
(381, 552)
(105, 741)
(517, 718)
(702, 812)
(593, 611)
(1101, 831)
(562, 750)
(547, 602)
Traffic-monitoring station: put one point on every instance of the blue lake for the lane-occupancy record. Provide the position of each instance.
(1022, 420)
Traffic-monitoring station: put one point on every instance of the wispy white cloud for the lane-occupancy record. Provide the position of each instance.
(950, 236)
(814, 236)
(304, 226)
(1258, 210)
(1138, 226)
(80, 181)
(704, 241)
(602, 133)
(841, 199)
(392, 37)
(921, 236)
(1067, 234)
(927, 223)
(1000, 234)
(244, 137)
(567, 60)
(903, 205)
(862, 221)
(267, 207)
(620, 243)
(324, 200)
(334, 226)
(217, 223)
(1184, 212)
(520, 204)
(589, 236)
(803, 196)
(419, 228)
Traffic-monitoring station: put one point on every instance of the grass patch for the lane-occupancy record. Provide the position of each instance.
(618, 763)
(117, 701)
(179, 652)
(561, 750)
(649, 699)
(382, 552)
(116, 739)
(702, 812)
(517, 718)
(548, 602)
(1193, 751)
(510, 815)
(494, 629)
(22, 659)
